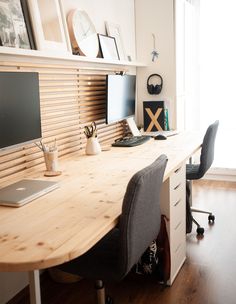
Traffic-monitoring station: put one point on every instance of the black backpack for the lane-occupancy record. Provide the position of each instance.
(156, 259)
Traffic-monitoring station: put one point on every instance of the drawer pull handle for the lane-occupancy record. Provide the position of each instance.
(177, 170)
(177, 249)
(177, 226)
(177, 203)
(176, 187)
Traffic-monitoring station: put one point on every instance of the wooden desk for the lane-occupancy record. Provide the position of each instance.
(65, 223)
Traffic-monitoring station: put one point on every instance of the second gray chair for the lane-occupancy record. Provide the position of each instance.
(114, 256)
(197, 171)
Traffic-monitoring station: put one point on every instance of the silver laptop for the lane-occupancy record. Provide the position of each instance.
(24, 191)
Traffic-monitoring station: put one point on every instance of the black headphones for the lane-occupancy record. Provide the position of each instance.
(154, 89)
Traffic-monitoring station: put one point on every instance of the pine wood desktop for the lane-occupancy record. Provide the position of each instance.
(65, 223)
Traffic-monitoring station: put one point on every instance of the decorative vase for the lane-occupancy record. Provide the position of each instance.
(92, 147)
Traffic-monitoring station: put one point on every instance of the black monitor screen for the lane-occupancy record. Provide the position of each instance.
(120, 97)
(20, 120)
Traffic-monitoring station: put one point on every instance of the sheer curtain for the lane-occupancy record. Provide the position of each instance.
(217, 75)
(210, 64)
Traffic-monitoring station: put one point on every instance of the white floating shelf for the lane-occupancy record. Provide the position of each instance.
(62, 56)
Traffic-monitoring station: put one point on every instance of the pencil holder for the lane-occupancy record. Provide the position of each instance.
(92, 146)
(51, 160)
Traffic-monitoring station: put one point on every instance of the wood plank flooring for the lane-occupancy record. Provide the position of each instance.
(207, 277)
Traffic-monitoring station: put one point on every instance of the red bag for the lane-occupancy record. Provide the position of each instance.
(163, 253)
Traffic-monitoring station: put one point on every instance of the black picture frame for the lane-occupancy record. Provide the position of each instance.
(15, 25)
(108, 47)
(153, 116)
(29, 27)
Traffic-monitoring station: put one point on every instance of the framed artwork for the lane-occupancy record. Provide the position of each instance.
(114, 30)
(49, 28)
(15, 27)
(108, 47)
(153, 116)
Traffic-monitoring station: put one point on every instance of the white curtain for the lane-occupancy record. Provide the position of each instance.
(217, 75)
(210, 64)
(192, 92)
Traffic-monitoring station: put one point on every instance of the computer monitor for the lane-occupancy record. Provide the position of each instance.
(120, 97)
(20, 120)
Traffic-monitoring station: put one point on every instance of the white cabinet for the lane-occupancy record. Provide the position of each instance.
(173, 206)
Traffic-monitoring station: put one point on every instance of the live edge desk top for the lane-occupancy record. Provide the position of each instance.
(67, 222)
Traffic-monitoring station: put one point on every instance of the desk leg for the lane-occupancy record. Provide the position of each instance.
(191, 185)
(34, 284)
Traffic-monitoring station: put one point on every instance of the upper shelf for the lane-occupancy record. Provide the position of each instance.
(59, 56)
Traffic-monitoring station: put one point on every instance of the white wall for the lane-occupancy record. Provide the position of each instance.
(156, 16)
(119, 12)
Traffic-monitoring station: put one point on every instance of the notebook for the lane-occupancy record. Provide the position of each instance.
(165, 133)
(24, 191)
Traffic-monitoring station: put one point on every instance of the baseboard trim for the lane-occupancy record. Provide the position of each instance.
(221, 174)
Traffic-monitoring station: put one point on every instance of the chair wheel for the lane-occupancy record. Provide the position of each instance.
(109, 300)
(200, 231)
(211, 218)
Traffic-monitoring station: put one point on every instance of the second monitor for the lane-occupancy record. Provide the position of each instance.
(120, 97)
(121, 91)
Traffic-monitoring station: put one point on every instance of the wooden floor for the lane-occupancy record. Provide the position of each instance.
(207, 277)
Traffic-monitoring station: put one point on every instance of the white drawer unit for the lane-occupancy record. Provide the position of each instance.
(173, 206)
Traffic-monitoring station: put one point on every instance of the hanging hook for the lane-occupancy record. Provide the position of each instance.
(154, 53)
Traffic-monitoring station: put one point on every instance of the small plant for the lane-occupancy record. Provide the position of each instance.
(91, 131)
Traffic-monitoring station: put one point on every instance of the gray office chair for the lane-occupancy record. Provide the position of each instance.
(114, 256)
(197, 171)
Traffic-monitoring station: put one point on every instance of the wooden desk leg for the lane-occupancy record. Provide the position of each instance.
(34, 284)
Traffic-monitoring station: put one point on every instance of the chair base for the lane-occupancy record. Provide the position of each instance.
(211, 217)
(200, 211)
(211, 220)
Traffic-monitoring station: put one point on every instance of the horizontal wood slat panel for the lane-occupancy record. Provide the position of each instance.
(70, 98)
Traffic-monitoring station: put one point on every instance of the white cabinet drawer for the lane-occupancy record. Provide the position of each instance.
(177, 177)
(177, 260)
(177, 214)
(178, 193)
(178, 236)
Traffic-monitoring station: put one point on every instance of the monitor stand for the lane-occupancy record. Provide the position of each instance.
(133, 127)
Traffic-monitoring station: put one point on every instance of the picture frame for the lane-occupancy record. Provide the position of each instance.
(25, 8)
(114, 30)
(15, 26)
(108, 47)
(153, 116)
(50, 30)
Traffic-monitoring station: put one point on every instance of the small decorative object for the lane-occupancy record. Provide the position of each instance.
(154, 53)
(114, 30)
(15, 28)
(48, 26)
(167, 127)
(82, 33)
(50, 154)
(154, 89)
(153, 116)
(108, 47)
(92, 146)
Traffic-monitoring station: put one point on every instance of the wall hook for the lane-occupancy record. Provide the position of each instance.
(154, 53)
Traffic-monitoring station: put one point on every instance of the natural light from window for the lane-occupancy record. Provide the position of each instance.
(218, 76)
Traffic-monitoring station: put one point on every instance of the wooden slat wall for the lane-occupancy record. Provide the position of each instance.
(70, 99)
